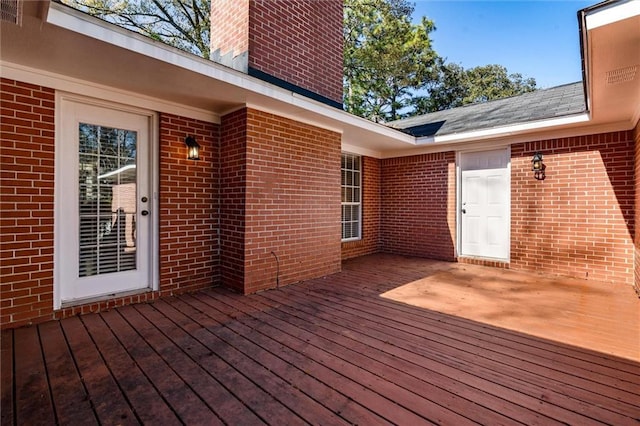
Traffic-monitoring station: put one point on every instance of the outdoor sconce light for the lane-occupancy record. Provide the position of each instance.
(193, 148)
(537, 166)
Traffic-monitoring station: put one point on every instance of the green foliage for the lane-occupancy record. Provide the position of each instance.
(386, 57)
(184, 24)
(456, 86)
(391, 70)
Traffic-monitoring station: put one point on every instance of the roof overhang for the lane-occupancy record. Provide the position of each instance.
(65, 49)
(70, 50)
(610, 34)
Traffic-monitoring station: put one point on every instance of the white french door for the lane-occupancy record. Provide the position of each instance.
(103, 201)
(485, 204)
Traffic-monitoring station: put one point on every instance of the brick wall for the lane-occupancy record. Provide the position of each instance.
(26, 202)
(299, 42)
(418, 205)
(292, 201)
(233, 177)
(189, 221)
(371, 213)
(189, 252)
(579, 221)
(636, 239)
(281, 197)
(229, 36)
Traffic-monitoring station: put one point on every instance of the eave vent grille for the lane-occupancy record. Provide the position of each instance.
(622, 75)
(11, 11)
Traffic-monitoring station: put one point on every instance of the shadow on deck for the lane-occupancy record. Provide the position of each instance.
(388, 340)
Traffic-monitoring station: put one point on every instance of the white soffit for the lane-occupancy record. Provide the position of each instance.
(613, 61)
(612, 13)
(233, 89)
(231, 84)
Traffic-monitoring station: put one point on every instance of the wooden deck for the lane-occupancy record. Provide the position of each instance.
(327, 351)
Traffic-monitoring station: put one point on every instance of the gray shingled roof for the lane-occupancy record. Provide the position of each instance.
(542, 104)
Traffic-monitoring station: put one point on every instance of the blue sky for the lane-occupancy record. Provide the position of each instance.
(537, 39)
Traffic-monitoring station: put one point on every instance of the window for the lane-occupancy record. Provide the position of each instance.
(351, 197)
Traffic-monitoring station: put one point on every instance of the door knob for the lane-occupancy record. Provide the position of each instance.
(144, 212)
(464, 211)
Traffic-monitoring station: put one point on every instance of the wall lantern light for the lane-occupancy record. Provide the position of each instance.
(537, 166)
(193, 148)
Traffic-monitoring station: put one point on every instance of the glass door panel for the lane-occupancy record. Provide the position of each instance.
(107, 199)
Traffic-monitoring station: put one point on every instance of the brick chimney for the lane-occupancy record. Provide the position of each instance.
(295, 44)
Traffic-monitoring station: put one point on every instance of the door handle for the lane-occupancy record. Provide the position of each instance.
(144, 212)
(464, 211)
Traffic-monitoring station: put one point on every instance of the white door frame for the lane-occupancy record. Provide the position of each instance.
(459, 155)
(153, 203)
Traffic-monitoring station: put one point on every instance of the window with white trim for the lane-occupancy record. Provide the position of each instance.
(351, 197)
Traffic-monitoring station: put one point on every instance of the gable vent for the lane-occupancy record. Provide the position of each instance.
(622, 75)
(11, 11)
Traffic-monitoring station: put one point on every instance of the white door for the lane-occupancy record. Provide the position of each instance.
(485, 204)
(103, 201)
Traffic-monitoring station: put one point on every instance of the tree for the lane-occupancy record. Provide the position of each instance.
(456, 86)
(184, 24)
(386, 57)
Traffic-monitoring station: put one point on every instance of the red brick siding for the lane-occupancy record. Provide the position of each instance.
(370, 242)
(299, 42)
(189, 222)
(26, 202)
(418, 205)
(579, 221)
(292, 201)
(233, 178)
(636, 280)
(189, 252)
(229, 26)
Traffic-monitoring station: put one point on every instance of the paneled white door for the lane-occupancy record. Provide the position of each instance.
(103, 221)
(485, 204)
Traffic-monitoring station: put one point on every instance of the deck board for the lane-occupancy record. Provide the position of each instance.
(145, 400)
(70, 398)
(474, 365)
(184, 355)
(217, 362)
(346, 349)
(357, 367)
(507, 351)
(177, 393)
(397, 373)
(32, 397)
(106, 397)
(498, 388)
(6, 372)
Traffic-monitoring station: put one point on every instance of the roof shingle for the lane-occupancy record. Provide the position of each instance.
(554, 102)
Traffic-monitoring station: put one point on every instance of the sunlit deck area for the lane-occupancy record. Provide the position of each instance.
(390, 340)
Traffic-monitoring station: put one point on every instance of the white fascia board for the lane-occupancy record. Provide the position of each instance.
(79, 22)
(609, 14)
(498, 132)
(350, 119)
(486, 144)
